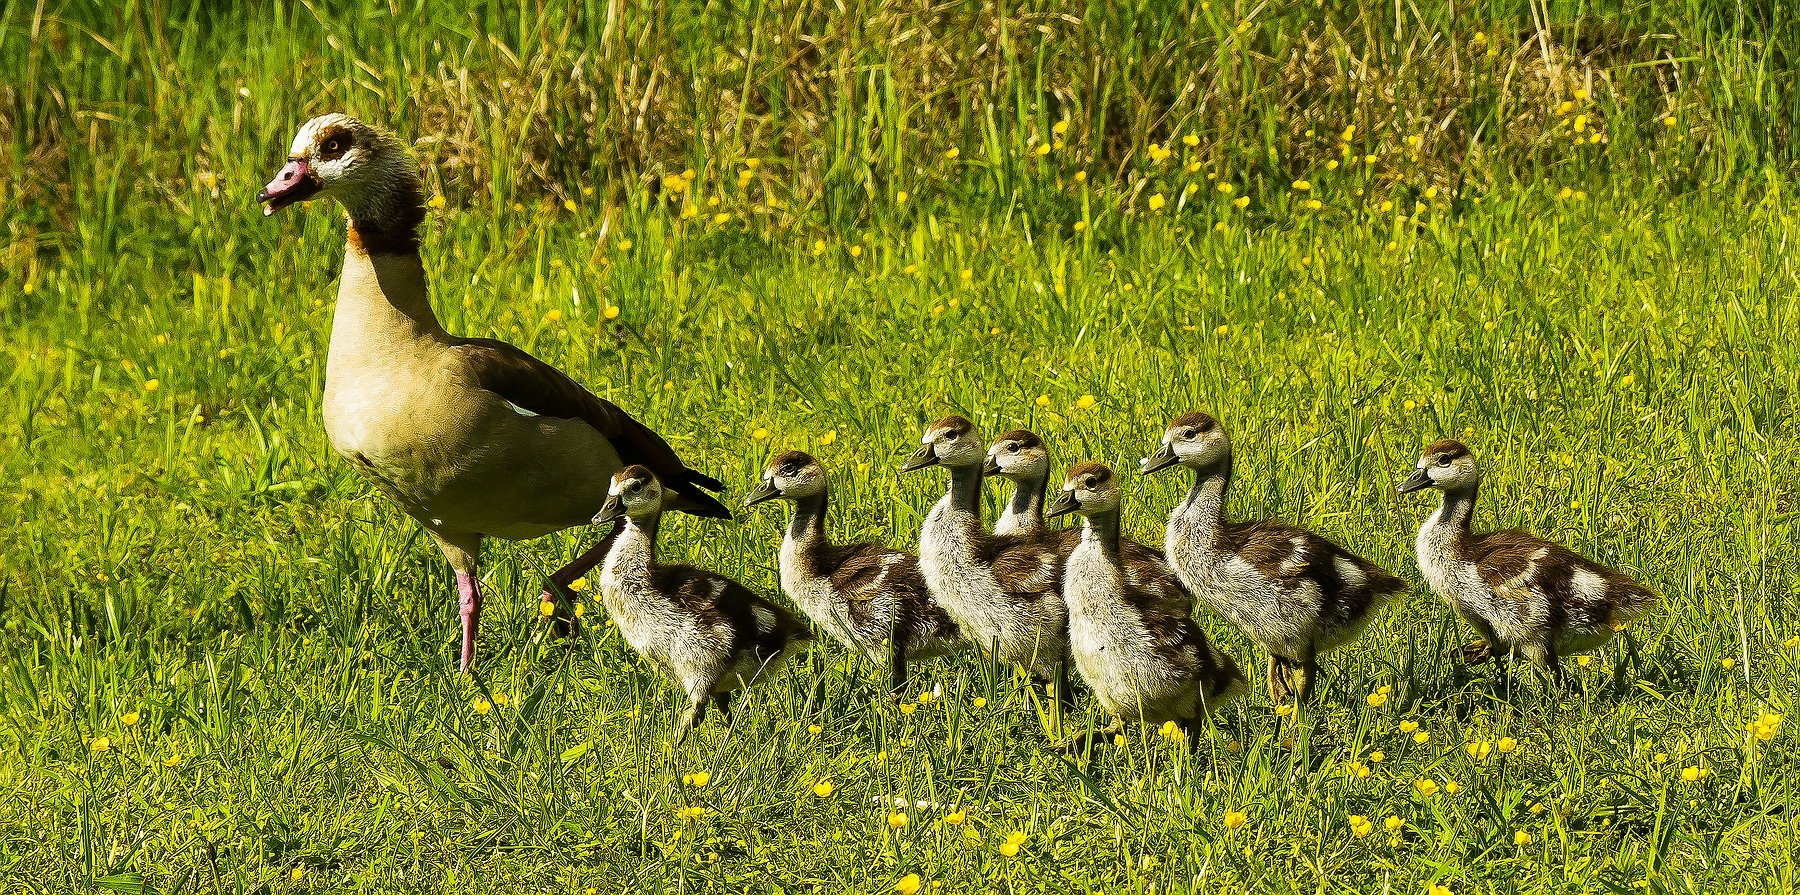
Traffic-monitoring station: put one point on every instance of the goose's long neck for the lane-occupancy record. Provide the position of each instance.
(1102, 529)
(1457, 510)
(807, 528)
(383, 304)
(1028, 499)
(1205, 503)
(965, 491)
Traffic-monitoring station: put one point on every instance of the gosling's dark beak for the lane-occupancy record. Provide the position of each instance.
(612, 509)
(991, 467)
(764, 490)
(1065, 504)
(925, 456)
(1418, 481)
(1162, 459)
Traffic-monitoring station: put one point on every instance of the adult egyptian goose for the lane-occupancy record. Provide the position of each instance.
(871, 598)
(706, 632)
(472, 437)
(1002, 590)
(1523, 594)
(1130, 633)
(1293, 592)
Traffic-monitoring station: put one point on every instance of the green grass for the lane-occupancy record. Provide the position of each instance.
(194, 553)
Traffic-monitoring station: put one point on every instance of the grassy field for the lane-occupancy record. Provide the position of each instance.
(227, 665)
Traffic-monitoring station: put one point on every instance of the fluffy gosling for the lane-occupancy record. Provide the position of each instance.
(1001, 590)
(1293, 592)
(869, 597)
(706, 632)
(1134, 643)
(1521, 593)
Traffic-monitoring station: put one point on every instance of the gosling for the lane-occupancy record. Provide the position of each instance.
(706, 632)
(1021, 457)
(868, 597)
(1524, 595)
(1002, 590)
(1135, 645)
(1293, 592)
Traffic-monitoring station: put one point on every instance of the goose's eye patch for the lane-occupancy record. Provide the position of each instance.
(333, 147)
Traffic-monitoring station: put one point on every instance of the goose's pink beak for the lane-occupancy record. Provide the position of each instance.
(295, 183)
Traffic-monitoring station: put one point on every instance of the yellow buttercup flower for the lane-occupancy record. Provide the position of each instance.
(1521, 838)
(1426, 786)
(1421, 737)
(1693, 773)
(1435, 889)
(99, 744)
(907, 708)
(1361, 826)
(624, 245)
(1172, 730)
(1377, 756)
(1014, 841)
(546, 609)
(481, 706)
(579, 584)
(1157, 202)
(955, 818)
(908, 884)
(1235, 819)
(1302, 186)
(952, 153)
(1378, 699)
(151, 385)
(1506, 745)
(822, 788)
(828, 437)
(691, 812)
(760, 433)
(130, 719)
(1284, 710)
(1479, 751)
(1408, 726)
(171, 760)
(436, 202)
(297, 874)
(979, 701)
(578, 610)
(1452, 787)
(697, 778)
(1393, 824)
(1085, 402)
(897, 820)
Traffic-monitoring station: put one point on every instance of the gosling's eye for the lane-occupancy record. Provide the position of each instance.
(1190, 433)
(949, 436)
(1088, 482)
(1443, 461)
(332, 147)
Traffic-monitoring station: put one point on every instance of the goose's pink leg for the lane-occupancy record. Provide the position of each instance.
(563, 577)
(470, 590)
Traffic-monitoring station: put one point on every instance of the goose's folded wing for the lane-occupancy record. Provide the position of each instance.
(535, 386)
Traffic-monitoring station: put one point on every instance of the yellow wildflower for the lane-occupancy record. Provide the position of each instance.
(1014, 841)
(481, 706)
(100, 744)
(1361, 826)
(611, 312)
(568, 204)
(1421, 737)
(151, 385)
(1506, 745)
(1693, 773)
(171, 760)
(1521, 838)
(1426, 786)
(697, 779)
(979, 701)
(822, 788)
(955, 818)
(1408, 726)
(1085, 402)
(1302, 186)
(1157, 202)
(130, 719)
(579, 584)
(1393, 824)
(546, 608)
(908, 884)
(952, 153)
(1235, 819)
(691, 812)
(760, 433)
(897, 820)
(436, 201)
(1378, 699)
(1377, 756)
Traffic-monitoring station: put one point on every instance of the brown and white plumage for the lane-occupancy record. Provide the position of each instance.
(1001, 590)
(1130, 635)
(1293, 592)
(869, 597)
(704, 631)
(1523, 594)
(473, 438)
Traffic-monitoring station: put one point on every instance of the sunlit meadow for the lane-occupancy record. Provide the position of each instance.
(227, 664)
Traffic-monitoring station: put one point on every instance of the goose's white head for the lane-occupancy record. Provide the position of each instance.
(366, 169)
(634, 492)
(951, 441)
(1444, 464)
(1089, 489)
(1194, 440)
(1018, 455)
(794, 475)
